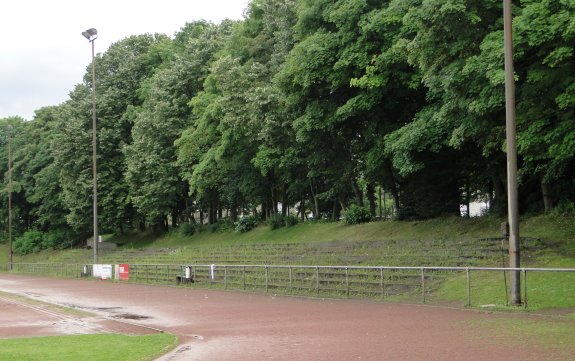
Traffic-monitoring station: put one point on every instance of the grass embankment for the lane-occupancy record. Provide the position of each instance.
(439, 242)
(103, 347)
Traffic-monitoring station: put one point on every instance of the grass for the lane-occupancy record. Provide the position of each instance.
(449, 241)
(557, 337)
(544, 290)
(105, 347)
(449, 228)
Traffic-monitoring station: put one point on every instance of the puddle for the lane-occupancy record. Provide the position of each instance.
(130, 316)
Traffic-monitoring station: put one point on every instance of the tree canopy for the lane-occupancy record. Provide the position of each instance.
(307, 107)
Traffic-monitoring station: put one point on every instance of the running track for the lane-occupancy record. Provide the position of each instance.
(217, 325)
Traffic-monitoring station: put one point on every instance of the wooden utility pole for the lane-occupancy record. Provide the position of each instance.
(512, 203)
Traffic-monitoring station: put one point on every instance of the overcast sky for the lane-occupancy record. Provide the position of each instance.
(43, 54)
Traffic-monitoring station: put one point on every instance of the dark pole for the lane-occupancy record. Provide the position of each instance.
(512, 203)
(10, 197)
(91, 35)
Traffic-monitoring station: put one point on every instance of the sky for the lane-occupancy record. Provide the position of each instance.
(43, 54)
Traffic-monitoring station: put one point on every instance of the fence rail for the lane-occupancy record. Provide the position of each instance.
(415, 284)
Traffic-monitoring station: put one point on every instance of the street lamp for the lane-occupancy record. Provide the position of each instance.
(10, 195)
(92, 34)
(512, 203)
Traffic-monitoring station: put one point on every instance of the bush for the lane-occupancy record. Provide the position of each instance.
(246, 224)
(213, 228)
(58, 239)
(225, 225)
(30, 241)
(291, 220)
(276, 221)
(188, 229)
(356, 214)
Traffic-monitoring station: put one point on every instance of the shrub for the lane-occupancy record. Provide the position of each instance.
(276, 221)
(213, 228)
(356, 214)
(291, 220)
(58, 239)
(30, 241)
(225, 225)
(188, 229)
(246, 224)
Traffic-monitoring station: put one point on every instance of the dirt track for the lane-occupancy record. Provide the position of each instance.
(216, 325)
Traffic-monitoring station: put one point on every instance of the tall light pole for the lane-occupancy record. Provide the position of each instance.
(512, 204)
(10, 197)
(92, 34)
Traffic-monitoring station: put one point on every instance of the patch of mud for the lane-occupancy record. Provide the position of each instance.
(182, 352)
(130, 316)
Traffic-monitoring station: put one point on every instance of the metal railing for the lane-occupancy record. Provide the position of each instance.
(414, 284)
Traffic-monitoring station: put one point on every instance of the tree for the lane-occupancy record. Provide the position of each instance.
(153, 174)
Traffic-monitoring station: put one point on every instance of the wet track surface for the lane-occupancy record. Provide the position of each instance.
(217, 325)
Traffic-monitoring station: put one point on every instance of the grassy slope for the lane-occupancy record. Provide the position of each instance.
(304, 240)
(555, 229)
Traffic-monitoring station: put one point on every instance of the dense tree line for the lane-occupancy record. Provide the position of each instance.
(309, 106)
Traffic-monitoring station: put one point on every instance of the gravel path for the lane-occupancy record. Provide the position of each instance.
(214, 325)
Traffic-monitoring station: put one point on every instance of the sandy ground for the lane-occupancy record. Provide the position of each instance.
(215, 325)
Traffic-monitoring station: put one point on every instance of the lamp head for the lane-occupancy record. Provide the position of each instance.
(90, 34)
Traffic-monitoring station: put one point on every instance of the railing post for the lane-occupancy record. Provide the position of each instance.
(423, 284)
(290, 279)
(317, 279)
(468, 287)
(226, 277)
(346, 282)
(381, 285)
(525, 288)
(244, 275)
(266, 268)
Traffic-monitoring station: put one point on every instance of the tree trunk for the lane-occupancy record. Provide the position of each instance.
(302, 207)
(234, 212)
(315, 201)
(357, 192)
(392, 188)
(384, 207)
(499, 196)
(285, 207)
(547, 201)
(371, 199)
(467, 198)
(175, 215)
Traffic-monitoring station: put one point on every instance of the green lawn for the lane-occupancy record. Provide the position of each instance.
(544, 290)
(107, 347)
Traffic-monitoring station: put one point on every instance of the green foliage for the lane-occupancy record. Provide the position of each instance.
(59, 238)
(276, 221)
(291, 220)
(188, 229)
(246, 224)
(314, 103)
(225, 225)
(356, 214)
(31, 241)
